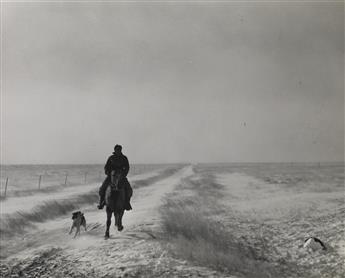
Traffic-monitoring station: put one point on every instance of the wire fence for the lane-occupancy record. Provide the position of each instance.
(44, 181)
(19, 180)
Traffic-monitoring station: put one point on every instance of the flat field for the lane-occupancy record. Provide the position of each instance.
(202, 220)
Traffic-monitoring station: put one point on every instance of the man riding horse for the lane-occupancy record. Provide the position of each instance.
(117, 163)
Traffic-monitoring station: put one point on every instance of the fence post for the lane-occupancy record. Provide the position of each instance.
(39, 182)
(6, 186)
(85, 177)
(66, 178)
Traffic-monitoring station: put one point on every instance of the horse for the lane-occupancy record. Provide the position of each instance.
(115, 201)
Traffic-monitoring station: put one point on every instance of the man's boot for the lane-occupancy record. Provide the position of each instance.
(101, 203)
(128, 204)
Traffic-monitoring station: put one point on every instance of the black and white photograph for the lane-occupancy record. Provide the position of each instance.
(172, 138)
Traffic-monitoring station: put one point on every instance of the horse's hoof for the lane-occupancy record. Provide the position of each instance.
(106, 236)
(120, 228)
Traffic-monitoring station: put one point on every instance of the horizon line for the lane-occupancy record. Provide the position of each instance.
(181, 162)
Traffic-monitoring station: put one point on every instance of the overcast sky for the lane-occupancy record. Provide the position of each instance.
(177, 82)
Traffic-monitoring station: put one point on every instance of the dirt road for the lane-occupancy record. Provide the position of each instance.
(48, 251)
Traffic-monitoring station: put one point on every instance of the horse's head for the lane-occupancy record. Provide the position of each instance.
(115, 180)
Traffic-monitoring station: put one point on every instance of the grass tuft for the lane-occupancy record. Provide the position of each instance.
(190, 224)
(198, 238)
(16, 223)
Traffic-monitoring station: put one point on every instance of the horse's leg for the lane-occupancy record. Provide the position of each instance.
(116, 219)
(119, 220)
(109, 214)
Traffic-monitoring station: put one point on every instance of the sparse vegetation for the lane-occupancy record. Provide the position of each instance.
(191, 227)
(262, 222)
(16, 223)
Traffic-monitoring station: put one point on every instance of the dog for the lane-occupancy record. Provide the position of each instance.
(78, 220)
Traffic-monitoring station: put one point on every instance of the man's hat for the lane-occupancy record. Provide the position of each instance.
(118, 147)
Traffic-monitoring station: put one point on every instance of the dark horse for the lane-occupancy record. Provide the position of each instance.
(115, 201)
